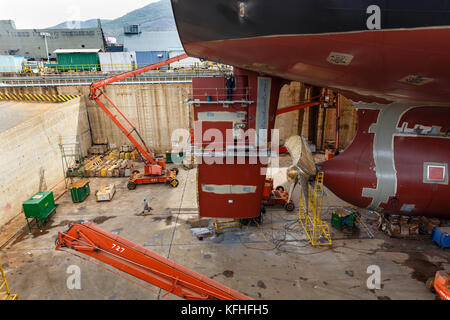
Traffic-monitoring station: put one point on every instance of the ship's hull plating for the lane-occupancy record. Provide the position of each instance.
(404, 60)
(389, 57)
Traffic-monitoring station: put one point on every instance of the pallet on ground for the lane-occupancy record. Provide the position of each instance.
(106, 192)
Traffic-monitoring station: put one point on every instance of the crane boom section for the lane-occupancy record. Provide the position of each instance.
(96, 92)
(90, 239)
(125, 75)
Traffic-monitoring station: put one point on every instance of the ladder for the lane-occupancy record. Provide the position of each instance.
(70, 153)
(317, 231)
(5, 293)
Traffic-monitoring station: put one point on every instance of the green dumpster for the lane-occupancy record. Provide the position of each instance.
(336, 220)
(79, 190)
(339, 220)
(38, 208)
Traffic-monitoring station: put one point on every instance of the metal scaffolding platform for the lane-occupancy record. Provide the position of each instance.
(5, 293)
(70, 155)
(317, 231)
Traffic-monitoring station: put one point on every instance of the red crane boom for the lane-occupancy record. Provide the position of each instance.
(144, 264)
(96, 92)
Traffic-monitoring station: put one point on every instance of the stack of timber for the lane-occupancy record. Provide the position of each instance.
(109, 165)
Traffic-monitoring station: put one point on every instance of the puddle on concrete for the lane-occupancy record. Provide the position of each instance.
(422, 268)
(228, 273)
(36, 232)
(261, 284)
(168, 219)
(198, 223)
(117, 231)
(101, 219)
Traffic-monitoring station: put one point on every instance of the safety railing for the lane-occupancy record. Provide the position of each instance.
(220, 95)
(5, 293)
(59, 68)
(11, 69)
(88, 78)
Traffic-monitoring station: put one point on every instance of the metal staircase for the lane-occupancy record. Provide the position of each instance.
(5, 293)
(317, 231)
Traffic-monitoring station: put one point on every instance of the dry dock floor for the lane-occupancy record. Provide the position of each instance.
(273, 261)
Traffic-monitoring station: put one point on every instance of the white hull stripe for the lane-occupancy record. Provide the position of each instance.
(228, 189)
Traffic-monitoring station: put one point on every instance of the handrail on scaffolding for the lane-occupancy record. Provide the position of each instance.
(5, 293)
(317, 231)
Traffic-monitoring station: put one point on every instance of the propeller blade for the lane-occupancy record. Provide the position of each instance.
(301, 155)
(291, 191)
(303, 165)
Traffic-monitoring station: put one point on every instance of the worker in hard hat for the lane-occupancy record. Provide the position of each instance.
(230, 83)
(146, 207)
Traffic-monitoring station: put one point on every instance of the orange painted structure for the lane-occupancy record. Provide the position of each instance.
(155, 169)
(122, 254)
(441, 284)
(277, 196)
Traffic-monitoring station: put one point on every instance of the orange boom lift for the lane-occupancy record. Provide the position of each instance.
(155, 169)
(88, 238)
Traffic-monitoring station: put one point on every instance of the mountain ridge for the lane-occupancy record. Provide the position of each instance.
(156, 16)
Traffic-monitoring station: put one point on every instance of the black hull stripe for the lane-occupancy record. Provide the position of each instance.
(209, 20)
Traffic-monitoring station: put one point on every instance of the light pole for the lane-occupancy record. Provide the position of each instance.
(45, 35)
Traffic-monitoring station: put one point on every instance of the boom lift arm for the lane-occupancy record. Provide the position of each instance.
(96, 92)
(144, 264)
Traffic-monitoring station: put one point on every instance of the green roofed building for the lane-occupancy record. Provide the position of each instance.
(78, 59)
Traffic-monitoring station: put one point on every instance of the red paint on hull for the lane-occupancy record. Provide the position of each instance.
(381, 60)
(354, 169)
(215, 203)
(347, 174)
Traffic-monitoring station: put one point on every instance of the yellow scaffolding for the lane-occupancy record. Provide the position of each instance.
(5, 294)
(316, 229)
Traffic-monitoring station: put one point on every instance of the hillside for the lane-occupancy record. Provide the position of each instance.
(156, 16)
(92, 23)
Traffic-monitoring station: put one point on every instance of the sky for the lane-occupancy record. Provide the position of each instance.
(29, 14)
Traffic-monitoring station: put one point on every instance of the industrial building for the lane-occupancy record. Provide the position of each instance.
(152, 47)
(41, 43)
(290, 175)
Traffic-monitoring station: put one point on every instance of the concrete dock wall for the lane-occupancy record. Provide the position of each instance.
(155, 109)
(30, 158)
(158, 109)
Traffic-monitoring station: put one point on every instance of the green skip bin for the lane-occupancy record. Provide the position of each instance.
(38, 208)
(80, 190)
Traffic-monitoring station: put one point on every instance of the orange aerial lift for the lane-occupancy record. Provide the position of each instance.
(155, 169)
(441, 284)
(90, 239)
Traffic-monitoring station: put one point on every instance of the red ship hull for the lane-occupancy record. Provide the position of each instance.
(390, 59)
(397, 163)
(381, 62)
